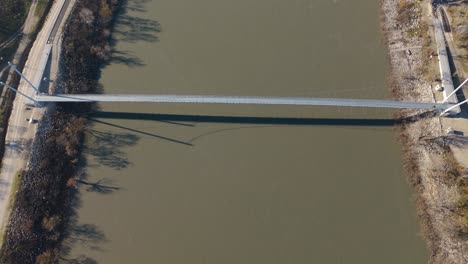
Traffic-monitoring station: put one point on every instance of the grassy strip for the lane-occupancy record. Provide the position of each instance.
(459, 24)
(11, 201)
(15, 188)
(9, 49)
(12, 16)
(41, 7)
(463, 204)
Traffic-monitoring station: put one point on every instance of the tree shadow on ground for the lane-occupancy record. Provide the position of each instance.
(106, 147)
(4, 186)
(82, 259)
(102, 186)
(132, 28)
(136, 5)
(85, 235)
(125, 58)
(16, 145)
(454, 140)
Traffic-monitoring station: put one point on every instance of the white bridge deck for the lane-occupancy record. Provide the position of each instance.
(212, 99)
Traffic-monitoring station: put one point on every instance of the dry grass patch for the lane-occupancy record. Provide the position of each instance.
(458, 15)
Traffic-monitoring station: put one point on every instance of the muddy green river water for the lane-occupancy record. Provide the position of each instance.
(221, 184)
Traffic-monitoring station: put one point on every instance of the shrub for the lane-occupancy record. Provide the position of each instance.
(406, 11)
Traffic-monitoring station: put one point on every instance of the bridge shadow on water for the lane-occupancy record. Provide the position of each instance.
(193, 120)
(90, 236)
(190, 120)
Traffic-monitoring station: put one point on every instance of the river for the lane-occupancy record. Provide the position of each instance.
(210, 184)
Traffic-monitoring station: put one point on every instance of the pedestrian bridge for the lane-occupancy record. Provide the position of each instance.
(35, 97)
(448, 105)
(253, 100)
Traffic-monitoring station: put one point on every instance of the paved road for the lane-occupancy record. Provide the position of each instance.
(196, 99)
(20, 133)
(444, 66)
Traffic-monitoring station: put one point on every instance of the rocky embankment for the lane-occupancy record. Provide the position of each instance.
(432, 170)
(47, 195)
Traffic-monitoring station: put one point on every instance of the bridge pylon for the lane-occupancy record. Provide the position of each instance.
(16, 91)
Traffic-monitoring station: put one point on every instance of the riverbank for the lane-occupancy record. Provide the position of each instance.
(46, 197)
(431, 167)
